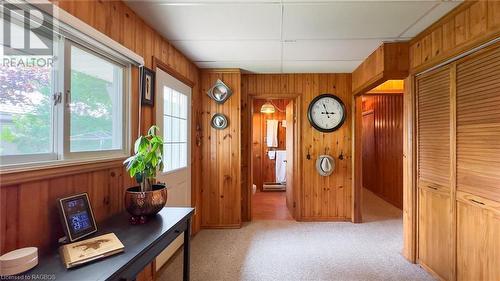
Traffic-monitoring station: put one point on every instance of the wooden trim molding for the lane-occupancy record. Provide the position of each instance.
(57, 170)
(389, 61)
(157, 63)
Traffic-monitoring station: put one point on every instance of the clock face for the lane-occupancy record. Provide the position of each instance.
(326, 113)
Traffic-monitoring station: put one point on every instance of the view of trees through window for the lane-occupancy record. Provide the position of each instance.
(26, 111)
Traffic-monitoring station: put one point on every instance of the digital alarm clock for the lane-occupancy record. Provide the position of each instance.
(77, 216)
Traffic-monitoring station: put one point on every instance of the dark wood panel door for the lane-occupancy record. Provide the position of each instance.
(369, 157)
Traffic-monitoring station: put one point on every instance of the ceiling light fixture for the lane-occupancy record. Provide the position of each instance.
(267, 108)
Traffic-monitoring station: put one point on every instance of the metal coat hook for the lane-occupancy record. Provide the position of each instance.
(341, 156)
(308, 156)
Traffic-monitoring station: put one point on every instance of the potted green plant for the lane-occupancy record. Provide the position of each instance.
(149, 197)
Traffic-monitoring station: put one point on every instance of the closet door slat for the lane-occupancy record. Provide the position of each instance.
(478, 125)
(434, 126)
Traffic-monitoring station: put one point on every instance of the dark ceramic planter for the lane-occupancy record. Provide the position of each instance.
(141, 204)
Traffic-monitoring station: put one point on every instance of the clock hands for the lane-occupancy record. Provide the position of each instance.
(326, 111)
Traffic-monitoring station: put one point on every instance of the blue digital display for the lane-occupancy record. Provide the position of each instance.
(80, 221)
(78, 216)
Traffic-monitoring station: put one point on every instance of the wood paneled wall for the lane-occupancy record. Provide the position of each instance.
(386, 167)
(29, 214)
(467, 26)
(28, 208)
(263, 167)
(221, 154)
(319, 198)
(389, 61)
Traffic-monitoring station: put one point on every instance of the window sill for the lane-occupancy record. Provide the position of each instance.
(40, 171)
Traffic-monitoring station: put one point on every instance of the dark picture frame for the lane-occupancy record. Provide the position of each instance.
(148, 86)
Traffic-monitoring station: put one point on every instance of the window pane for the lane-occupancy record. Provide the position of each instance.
(96, 103)
(183, 130)
(26, 88)
(175, 130)
(176, 104)
(184, 106)
(167, 132)
(167, 104)
(25, 108)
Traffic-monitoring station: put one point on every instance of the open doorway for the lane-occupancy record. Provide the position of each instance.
(272, 158)
(382, 154)
(381, 125)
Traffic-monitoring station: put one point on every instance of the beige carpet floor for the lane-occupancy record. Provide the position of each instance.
(289, 250)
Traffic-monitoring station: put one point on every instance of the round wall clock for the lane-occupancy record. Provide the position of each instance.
(326, 113)
(219, 121)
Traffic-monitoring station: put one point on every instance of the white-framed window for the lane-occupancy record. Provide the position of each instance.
(176, 128)
(70, 105)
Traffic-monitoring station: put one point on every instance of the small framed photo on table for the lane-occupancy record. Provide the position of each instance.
(147, 86)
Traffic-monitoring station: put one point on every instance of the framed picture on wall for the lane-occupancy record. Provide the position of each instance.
(147, 86)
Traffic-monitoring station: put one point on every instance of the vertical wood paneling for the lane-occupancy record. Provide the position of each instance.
(469, 25)
(221, 150)
(409, 183)
(32, 205)
(384, 170)
(319, 198)
(28, 206)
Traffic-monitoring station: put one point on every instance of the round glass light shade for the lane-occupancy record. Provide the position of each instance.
(267, 108)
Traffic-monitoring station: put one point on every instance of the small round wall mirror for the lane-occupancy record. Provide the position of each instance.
(219, 92)
(219, 121)
(325, 165)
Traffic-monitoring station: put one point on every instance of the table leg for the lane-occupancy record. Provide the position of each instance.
(187, 238)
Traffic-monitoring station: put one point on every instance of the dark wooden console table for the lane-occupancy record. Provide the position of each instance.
(142, 244)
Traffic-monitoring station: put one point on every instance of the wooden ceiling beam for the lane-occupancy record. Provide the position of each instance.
(388, 62)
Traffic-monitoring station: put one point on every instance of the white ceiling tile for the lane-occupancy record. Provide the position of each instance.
(350, 20)
(320, 66)
(249, 66)
(230, 50)
(330, 49)
(435, 14)
(213, 22)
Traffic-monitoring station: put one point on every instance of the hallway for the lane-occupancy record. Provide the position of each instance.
(290, 250)
(270, 205)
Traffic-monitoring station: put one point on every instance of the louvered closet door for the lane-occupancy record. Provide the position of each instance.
(478, 124)
(434, 172)
(478, 166)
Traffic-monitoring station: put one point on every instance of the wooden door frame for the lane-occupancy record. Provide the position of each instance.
(296, 98)
(409, 166)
